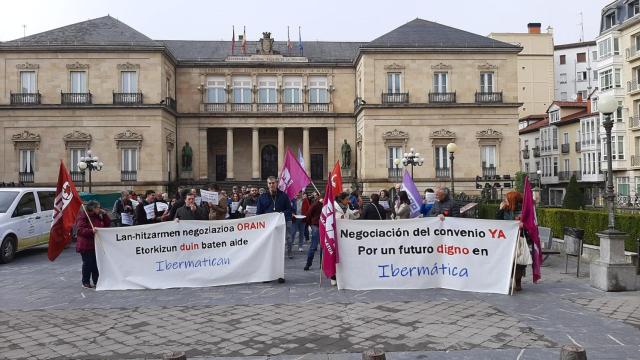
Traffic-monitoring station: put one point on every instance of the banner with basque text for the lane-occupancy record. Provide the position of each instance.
(458, 254)
(191, 253)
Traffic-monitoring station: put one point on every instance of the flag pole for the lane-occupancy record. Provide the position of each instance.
(515, 257)
(88, 218)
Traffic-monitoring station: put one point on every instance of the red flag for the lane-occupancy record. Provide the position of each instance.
(529, 223)
(328, 233)
(336, 179)
(233, 40)
(293, 178)
(66, 207)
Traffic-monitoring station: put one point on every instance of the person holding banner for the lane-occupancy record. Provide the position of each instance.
(275, 200)
(146, 212)
(88, 220)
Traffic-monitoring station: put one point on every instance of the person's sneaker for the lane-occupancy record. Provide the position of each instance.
(281, 280)
(306, 268)
(87, 286)
(300, 249)
(334, 282)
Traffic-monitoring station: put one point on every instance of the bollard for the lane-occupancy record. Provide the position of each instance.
(178, 355)
(374, 354)
(573, 352)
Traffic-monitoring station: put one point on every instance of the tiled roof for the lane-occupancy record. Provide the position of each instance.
(574, 45)
(535, 126)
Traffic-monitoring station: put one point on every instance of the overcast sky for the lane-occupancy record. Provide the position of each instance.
(340, 20)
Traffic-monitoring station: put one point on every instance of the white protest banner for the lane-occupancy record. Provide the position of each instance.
(458, 254)
(191, 253)
(126, 219)
(209, 196)
(162, 206)
(150, 210)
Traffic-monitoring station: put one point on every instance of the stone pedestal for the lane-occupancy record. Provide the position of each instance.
(611, 272)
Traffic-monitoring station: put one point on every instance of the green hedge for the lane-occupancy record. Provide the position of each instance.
(590, 221)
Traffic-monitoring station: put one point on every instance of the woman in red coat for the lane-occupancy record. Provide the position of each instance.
(86, 242)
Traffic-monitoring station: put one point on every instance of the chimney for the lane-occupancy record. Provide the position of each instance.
(579, 98)
(589, 106)
(534, 28)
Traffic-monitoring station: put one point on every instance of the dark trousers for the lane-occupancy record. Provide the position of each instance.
(89, 267)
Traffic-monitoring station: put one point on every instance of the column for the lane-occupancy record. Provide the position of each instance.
(229, 153)
(202, 154)
(305, 150)
(280, 148)
(331, 147)
(255, 157)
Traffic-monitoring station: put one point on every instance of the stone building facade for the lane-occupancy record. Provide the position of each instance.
(137, 102)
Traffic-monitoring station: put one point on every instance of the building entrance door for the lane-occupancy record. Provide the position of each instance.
(221, 167)
(317, 166)
(269, 162)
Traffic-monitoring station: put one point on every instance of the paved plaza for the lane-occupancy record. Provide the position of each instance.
(46, 314)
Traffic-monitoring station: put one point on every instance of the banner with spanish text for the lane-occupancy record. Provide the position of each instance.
(458, 254)
(191, 253)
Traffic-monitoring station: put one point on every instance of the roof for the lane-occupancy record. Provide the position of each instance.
(104, 30)
(535, 126)
(421, 33)
(568, 104)
(532, 117)
(572, 118)
(574, 45)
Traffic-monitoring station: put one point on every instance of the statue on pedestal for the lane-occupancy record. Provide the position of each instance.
(187, 157)
(346, 155)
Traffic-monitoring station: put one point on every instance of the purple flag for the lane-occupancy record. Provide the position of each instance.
(528, 219)
(410, 187)
(293, 178)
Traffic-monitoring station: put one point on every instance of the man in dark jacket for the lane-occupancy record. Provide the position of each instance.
(313, 220)
(122, 206)
(374, 211)
(191, 211)
(141, 213)
(444, 205)
(179, 203)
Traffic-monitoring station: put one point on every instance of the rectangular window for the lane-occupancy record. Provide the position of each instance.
(620, 148)
(581, 57)
(216, 93)
(604, 48)
(242, 90)
(394, 152)
(394, 84)
(486, 82)
(618, 83)
(129, 159)
(563, 59)
(441, 159)
(623, 185)
(610, 20)
(581, 75)
(129, 81)
(619, 112)
(526, 167)
(78, 82)
(76, 154)
(267, 90)
(28, 82)
(27, 161)
(633, 8)
(555, 138)
(582, 94)
(616, 46)
(567, 166)
(636, 42)
(606, 79)
(318, 93)
(563, 78)
(554, 116)
(555, 166)
(565, 137)
(292, 90)
(488, 156)
(440, 82)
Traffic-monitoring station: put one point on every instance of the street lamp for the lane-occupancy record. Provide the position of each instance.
(451, 149)
(397, 169)
(539, 186)
(412, 158)
(607, 104)
(91, 163)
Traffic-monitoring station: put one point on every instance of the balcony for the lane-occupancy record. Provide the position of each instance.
(127, 98)
(525, 153)
(536, 152)
(489, 171)
(75, 98)
(578, 146)
(395, 173)
(25, 98)
(77, 176)
(635, 161)
(395, 98)
(565, 176)
(267, 107)
(171, 103)
(489, 97)
(319, 107)
(634, 122)
(215, 107)
(633, 86)
(293, 107)
(442, 173)
(631, 53)
(442, 97)
(241, 107)
(128, 175)
(564, 148)
(25, 177)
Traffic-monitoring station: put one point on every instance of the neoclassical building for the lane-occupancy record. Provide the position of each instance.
(157, 112)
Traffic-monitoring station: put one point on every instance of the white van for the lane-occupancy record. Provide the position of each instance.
(25, 219)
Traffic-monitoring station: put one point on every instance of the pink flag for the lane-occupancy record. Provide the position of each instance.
(328, 233)
(293, 178)
(528, 219)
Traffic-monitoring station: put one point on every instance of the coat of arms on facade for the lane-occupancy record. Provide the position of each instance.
(266, 44)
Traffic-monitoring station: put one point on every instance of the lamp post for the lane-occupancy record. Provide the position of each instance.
(607, 104)
(91, 163)
(412, 158)
(451, 149)
(539, 186)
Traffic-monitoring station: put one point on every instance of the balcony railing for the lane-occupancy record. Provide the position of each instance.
(171, 103)
(395, 98)
(127, 98)
(555, 146)
(536, 152)
(634, 122)
(631, 52)
(25, 177)
(215, 107)
(635, 161)
(525, 153)
(76, 98)
(578, 146)
(293, 107)
(128, 175)
(489, 97)
(268, 107)
(564, 148)
(241, 107)
(633, 85)
(319, 107)
(566, 175)
(77, 176)
(395, 173)
(442, 97)
(489, 171)
(442, 173)
(25, 98)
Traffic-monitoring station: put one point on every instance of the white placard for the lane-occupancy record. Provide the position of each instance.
(234, 206)
(384, 203)
(126, 219)
(150, 210)
(251, 210)
(459, 254)
(191, 253)
(209, 196)
(198, 200)
(162, 206)
(299, 216)
(134, 203)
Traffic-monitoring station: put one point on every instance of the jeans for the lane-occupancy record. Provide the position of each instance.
(298, 229)
(288, 237)
(89, 267)
(315, 240)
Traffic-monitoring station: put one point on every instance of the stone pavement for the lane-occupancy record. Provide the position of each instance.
(44, 313)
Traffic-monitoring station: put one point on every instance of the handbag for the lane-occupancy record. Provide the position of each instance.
(523, 255)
